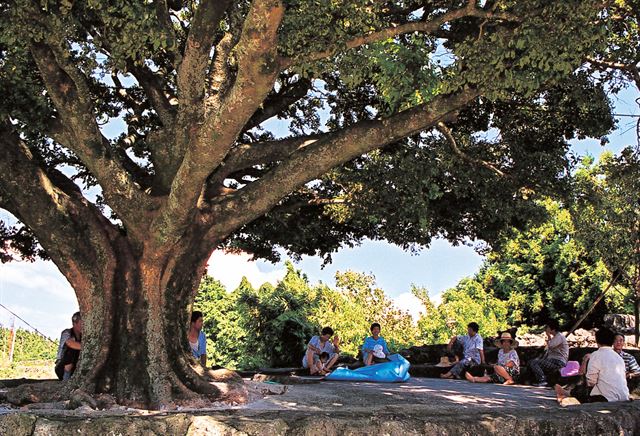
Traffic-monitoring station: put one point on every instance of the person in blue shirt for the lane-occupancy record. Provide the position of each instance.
(197, 339)
(374, 349)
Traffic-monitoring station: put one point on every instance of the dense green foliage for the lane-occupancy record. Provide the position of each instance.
(521, 56)
(546, 272)
(606, 208)
(465, 303)
(271, 325)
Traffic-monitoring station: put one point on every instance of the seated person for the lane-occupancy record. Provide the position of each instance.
(321, 364)
(69, 348)
(605, 376)
(473, 351)
(197, 338)
(374, 349)
(555, 357)
(631, 367)
(508, 366)
(318, 345)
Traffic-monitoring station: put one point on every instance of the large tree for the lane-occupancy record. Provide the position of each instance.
(359, 86)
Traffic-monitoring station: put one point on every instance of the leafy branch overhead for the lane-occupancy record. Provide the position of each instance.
(193, 83)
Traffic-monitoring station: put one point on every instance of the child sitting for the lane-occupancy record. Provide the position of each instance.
(321, 364)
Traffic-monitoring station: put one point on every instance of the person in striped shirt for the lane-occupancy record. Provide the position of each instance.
(630, 363)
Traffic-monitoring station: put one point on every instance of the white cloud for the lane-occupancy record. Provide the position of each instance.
(408, 302)
(38, 293)
(229, 268)
(39, 276)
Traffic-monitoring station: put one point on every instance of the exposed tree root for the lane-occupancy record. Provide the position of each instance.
(212, 386)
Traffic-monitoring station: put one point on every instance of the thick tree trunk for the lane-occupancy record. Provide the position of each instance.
(134, 343)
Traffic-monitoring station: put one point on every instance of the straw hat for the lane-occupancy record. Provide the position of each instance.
(444, 362)
(506, 336)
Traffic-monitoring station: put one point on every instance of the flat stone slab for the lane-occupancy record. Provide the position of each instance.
(419, 406)
(427, 394)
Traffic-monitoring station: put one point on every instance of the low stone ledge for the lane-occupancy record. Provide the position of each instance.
(600, 419)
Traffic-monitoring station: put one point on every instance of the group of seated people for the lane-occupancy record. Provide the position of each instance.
(323, 351)
(605, 372)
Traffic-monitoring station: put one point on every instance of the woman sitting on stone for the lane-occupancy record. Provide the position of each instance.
(508, 366)
(318, 345)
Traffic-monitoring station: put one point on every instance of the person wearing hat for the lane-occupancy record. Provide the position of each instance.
(508, 366)
(374, 349)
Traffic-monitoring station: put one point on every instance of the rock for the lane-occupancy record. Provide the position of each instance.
(531, 340)
(80, 398)
(267, 388)
(286, 379)
(582, 338)
(55, 405)
(45, 391)
(17, 424)
(620, 323)
(105, 401)
(569, 401)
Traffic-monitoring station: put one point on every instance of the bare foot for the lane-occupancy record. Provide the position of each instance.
(446, 375)
(509, 382)
(561, 394)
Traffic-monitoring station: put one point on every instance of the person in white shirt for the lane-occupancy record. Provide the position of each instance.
(605, 374)
(473, 351)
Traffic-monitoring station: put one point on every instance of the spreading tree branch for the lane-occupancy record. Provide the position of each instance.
(277, 103)
(193, 68)
(69, 91)
(442, 128)
(331, 150)
(428, 27)
(53, 207)
(256, 54)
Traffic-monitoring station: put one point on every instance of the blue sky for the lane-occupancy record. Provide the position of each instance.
(39, 293)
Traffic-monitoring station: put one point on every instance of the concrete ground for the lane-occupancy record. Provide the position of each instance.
(427, 394)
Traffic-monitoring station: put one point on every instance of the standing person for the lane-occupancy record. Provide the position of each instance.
(605, 374)
(69, 348)
(473, 351)
(508, 366)
(318, 345)
(631, 367)
(197, 338)
(555, 356)
(374, 349)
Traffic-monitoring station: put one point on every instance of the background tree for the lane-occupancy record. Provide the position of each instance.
(545, 272)
(354, 305)
(196, 168)
(270, 326)
(606, 208)
(467, 302)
